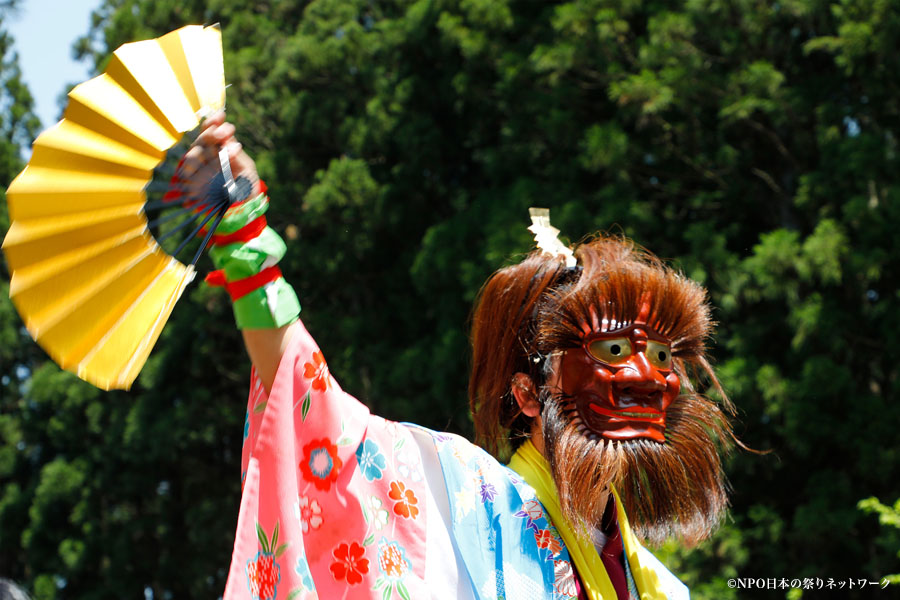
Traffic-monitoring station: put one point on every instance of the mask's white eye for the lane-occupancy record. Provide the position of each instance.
(659, 354)
(611, 351)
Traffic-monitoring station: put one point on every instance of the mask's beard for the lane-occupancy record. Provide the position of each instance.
(675, 488)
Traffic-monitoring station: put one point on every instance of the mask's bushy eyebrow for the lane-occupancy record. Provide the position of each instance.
(615, 279)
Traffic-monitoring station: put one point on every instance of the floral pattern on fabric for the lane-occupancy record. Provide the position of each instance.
(370, 460)
(349, 563)
(465, 501)
(392, 560)
(308, 513)
(320, 464)
(406, 500)
(393, 566)
(509, 547)
(546, 538)
(408, 466)
(263, 573)
(317, 370)
(487, 491)
(531, 512)
(315, 461)
(564, 582)
(302, 569)
(309, 468)
(376, 515)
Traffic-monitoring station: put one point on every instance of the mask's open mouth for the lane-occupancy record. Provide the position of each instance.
(639, 414)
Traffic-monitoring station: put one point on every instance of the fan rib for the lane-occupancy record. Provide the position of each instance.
(197, 229)
(208, 211)
(164, 204)
(208, 236)
(172, 215)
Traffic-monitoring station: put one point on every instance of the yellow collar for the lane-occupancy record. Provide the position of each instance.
(533, 468)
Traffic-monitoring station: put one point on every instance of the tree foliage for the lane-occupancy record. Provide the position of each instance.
(887, 515)
(18, 354)
(753, 144)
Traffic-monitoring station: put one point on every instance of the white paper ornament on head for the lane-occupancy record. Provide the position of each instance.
(547, 236)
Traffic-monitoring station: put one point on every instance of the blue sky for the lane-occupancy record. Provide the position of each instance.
(44, 31)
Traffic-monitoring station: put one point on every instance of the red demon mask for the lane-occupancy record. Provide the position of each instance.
(621, 379)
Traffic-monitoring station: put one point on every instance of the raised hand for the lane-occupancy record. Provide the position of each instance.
(203, 163)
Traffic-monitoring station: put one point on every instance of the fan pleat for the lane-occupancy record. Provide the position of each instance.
(102, 99)
(39, 203)
(50, 300)
(142, 70)
(195, 55)
(68, 145)
(147, 313)
(30, 250)
(70, 337)
(39, 192)
(26, 277)
(37, 230)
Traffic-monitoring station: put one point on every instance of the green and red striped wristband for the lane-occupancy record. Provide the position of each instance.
(245, 251)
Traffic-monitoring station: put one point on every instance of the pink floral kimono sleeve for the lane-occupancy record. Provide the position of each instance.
(325, 509)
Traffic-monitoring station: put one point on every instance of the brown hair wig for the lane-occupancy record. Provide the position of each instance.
(527, 312)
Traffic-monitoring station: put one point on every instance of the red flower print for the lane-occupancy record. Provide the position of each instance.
(263, 572)
(320, 463)
(263, 575)
(349, 563)
(406, 500)
(317, 370)
(545, 539)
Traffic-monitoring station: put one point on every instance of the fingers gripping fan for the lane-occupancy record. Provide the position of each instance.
(94, 248)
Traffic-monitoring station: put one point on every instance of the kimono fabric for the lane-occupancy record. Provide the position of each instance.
(337, 504)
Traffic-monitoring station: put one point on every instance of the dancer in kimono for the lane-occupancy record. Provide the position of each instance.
(582, 371)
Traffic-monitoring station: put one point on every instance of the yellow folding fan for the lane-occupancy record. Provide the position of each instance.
(90, 277)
